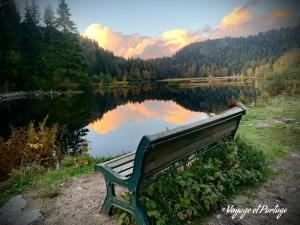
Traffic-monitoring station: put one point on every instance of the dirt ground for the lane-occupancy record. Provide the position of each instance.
(79, 201)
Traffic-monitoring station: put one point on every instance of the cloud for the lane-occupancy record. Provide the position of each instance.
(280, 13)
(120, 44)
(138, 49)
(237, 17)
(178, 38)
(136, 45)
(241, 21)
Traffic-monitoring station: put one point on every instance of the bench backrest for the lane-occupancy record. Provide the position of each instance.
(166, 148)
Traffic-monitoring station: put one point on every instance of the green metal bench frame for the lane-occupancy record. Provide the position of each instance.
(157, 152)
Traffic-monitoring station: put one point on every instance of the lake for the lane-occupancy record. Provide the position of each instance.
(112, 121)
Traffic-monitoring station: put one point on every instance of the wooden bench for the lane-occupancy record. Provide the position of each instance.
(158, 152)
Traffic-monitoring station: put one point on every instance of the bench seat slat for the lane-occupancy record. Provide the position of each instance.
(124, 167)
(127, 173)
(120, 161)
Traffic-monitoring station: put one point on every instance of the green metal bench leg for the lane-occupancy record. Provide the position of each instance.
(139, 216)
(138, 212)
(107, 205)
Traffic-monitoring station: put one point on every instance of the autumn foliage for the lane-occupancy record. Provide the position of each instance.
(35, 143)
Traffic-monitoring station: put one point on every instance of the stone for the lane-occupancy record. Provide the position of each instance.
(288, 120)
(14, 212)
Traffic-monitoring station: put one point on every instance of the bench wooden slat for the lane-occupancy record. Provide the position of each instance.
(124, 167)
(169, 152)
(205, 122)
(127, 173)
(161, 161)
(120, 161)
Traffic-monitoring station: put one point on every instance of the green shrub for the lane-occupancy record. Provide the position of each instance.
(174, 84)
(184, 196)
(76, 161)
(21, 177)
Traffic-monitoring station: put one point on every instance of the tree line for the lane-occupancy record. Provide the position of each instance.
(45, 51)
(40, 52)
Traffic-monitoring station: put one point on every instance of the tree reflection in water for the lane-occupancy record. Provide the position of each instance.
(78, 111)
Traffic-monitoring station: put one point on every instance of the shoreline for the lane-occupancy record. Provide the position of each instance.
(4, 97)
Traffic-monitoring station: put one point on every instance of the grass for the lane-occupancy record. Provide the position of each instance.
(276, 139)
(46, 182)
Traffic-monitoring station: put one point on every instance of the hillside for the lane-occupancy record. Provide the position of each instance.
(228, 56)
(219, 57)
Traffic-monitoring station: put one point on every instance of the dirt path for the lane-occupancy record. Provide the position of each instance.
(79, 202)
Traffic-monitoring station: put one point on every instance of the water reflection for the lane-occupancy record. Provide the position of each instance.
(166, 111)
(122, 128)
(114, 120)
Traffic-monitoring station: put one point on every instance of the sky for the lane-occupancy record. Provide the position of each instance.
(157, 28)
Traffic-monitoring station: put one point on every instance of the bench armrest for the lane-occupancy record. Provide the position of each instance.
(111, 176)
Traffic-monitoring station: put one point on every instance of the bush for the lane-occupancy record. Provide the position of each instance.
(181, 197)
(281, 82)
(284, 77)
(76, 161)
(36, 143)
(174, 84)
(19, 178)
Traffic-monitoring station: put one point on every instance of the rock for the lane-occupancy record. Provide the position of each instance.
(288, 120)
(80, 188)
(13, 212)
(279, 122)
(263, 123)
(29, 217)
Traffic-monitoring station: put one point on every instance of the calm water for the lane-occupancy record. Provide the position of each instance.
(113, 121)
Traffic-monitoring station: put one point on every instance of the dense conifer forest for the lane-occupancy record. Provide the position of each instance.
(44, 51)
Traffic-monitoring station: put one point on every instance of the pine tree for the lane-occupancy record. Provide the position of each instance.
(63, 21)
(32, 14)
(31, 46)
(49, 19)
(9, 41)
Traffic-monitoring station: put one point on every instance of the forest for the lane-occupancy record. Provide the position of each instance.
(44, 51)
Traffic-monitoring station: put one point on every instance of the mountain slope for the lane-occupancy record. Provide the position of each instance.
(227, 56)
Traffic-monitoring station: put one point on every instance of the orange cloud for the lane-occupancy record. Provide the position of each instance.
(237, 17)
(280, 13)
(178, 38)
(138, 46)
(168, 111)
(112, 41)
